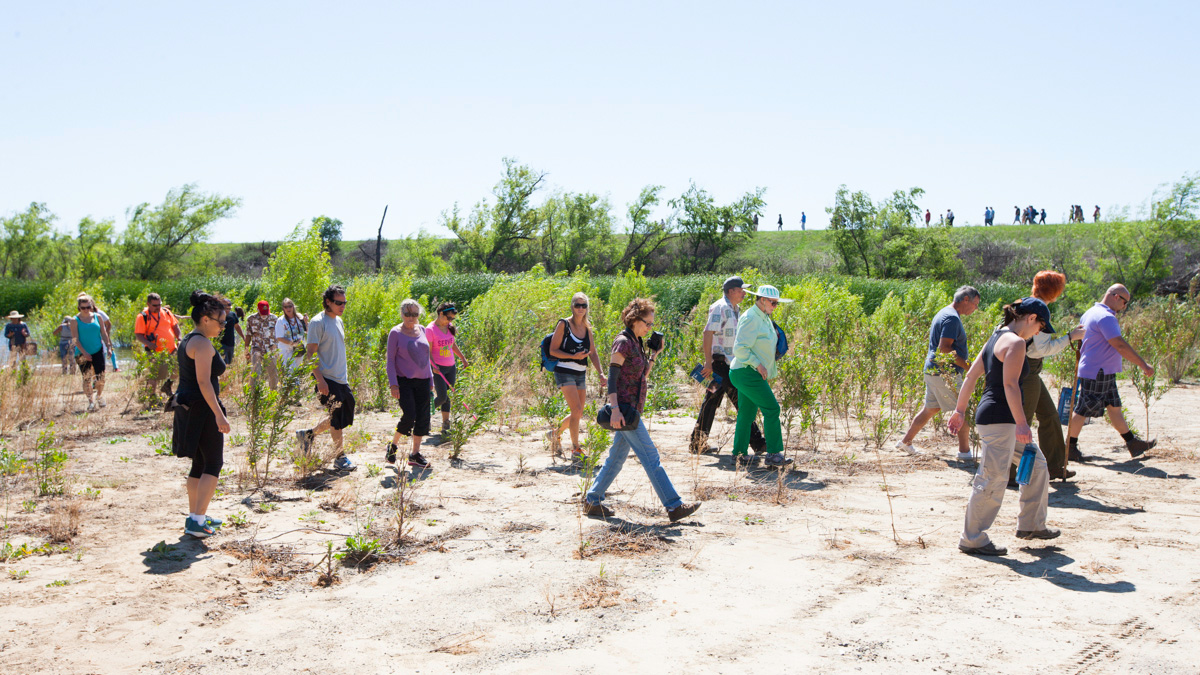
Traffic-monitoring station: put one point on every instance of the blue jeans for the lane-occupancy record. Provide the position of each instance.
(639, 440)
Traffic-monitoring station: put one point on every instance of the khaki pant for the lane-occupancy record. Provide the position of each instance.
(1000, 450)
(260, 361)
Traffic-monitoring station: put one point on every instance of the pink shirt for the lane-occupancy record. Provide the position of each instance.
(442, 343)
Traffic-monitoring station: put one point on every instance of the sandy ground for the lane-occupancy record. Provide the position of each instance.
(494, 583)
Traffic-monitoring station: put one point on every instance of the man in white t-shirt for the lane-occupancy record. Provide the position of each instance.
(719, 334)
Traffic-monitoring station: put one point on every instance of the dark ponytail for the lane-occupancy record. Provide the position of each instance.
(204, 304)
(1014, 311)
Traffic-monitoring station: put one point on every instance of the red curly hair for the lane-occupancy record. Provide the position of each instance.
(1048, 285)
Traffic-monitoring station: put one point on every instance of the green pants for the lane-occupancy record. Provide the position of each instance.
(754, 394)
(1039, 403)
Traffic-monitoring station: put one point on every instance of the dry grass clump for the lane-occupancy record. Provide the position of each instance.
(343, 497)
(272, 563)
(64, 522)
(598, 592)
(462, 643)
(623, 539)
(512, 526)
(1098, 567)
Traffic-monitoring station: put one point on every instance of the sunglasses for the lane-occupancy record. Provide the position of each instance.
(580, 305)
(412, 314)
(156, 305)
(289, 307)
(770, 302)
(339, 303)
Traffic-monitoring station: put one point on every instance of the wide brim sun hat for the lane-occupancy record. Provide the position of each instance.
(769, 292)
(15, 315)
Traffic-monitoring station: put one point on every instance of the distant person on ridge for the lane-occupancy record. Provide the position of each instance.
(1016, 215)
(781, 222)
(1043, 220)
(1096, 214)
(927, 217)
(949, 217)
(803, 220)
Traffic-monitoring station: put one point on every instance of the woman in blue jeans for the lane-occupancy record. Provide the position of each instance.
(629, 365)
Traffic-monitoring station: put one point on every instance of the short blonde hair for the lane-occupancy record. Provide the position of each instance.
(409, 302)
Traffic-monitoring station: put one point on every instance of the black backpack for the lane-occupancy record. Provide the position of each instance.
(549, 362)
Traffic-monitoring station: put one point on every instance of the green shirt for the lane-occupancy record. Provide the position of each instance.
(755, 342)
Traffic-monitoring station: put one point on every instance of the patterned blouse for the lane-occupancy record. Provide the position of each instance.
(631, 386)
(261, 329)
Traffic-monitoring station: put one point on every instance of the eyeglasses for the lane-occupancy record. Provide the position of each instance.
(649, 324)
(580, 305)
(339, 303)
(1123, 299)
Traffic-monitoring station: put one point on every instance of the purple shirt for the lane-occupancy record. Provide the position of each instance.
(408, 356)
(1099, 326)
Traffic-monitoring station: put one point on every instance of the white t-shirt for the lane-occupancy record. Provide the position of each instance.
(289, 331)
(723, 322)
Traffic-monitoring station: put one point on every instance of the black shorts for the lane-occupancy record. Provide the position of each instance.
(96, 365)
(1096, 395)
(340, 403)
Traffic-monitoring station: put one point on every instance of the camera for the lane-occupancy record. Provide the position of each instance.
(655, 341)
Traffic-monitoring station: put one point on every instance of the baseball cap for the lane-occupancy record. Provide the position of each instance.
(1039, 308)
(732, 283)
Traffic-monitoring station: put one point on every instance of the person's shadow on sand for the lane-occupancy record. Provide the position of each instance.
(164, 558)
(1048, 566)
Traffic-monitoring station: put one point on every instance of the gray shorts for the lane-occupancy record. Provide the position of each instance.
(938, 393)
(573, 379)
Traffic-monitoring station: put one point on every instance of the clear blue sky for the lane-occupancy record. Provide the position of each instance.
(307, 108)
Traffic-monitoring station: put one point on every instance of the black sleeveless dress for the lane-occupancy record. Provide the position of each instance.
(577, 348)
(993, 406)
(195, 427)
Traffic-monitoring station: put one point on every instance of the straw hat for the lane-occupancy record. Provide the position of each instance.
(15, 315)
(769, 292)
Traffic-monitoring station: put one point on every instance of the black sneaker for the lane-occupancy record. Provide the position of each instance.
(417, 461)
(683, 511)
(390, 454)
(1075, 455)
(776, 460)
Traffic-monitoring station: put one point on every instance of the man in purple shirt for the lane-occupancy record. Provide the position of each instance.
(1099, 362)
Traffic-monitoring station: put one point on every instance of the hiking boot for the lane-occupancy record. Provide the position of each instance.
(417, 461)
(987, 549)
(760, 450)
(908, 447)
(1075, 455)
(577, 456)
(390, 453)
(597, 510)
(167, 387)
(1057, 474)
(745, 461)
(1137, 447)
(197, 530)
(343, 463)
(445, 428)
(699, 442)
(1048, 533)
(776, 460)
(683, 511)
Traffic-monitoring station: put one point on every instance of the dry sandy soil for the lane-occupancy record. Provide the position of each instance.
(794, 576)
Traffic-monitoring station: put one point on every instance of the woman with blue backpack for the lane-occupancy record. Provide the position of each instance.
(755, 350)
(569, 348)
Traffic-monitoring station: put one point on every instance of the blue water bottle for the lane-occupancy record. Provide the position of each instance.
(1025, 468)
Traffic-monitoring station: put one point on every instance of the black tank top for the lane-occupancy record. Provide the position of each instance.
(993, 406)
(574, 346)
(189, 387)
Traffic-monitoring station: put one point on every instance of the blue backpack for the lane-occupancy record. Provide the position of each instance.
(781, 342)
(549, 362)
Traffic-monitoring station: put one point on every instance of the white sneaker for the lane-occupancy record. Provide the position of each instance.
(91, 406)
(965, 455)
(901, 445)
(100, 401)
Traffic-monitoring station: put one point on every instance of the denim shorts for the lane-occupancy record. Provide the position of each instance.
(572, 379)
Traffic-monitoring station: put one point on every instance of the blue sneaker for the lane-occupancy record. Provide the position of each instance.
(214, 523)
(343, 463)
(197, 530)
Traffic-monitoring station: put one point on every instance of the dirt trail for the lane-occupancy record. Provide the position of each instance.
(746, 585)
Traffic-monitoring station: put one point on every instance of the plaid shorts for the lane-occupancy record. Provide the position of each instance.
(1095, 395)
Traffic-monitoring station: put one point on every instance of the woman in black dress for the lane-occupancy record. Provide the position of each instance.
(200, 423)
